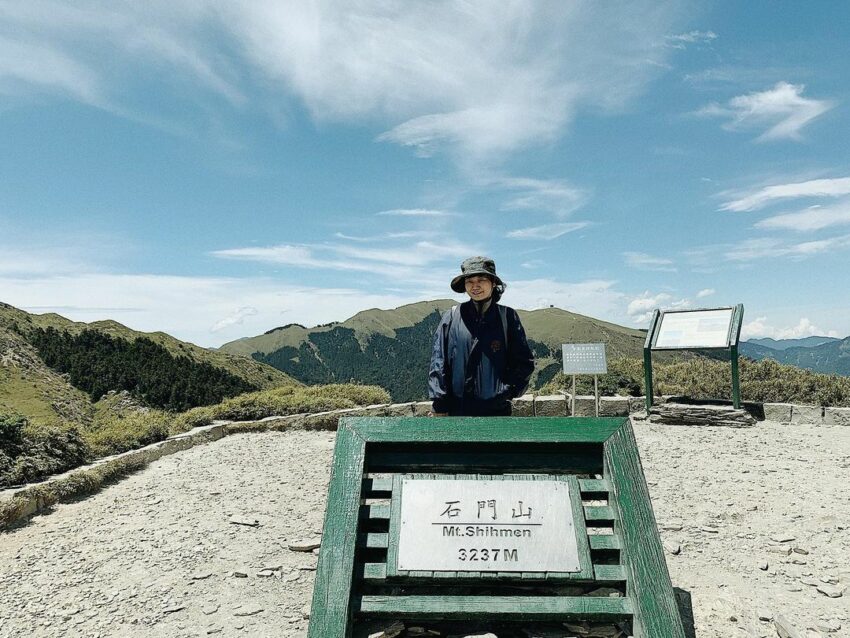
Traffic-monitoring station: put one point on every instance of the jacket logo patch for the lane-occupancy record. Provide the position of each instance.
(495, 345)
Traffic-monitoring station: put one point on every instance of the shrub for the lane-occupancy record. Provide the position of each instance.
(45, 451)
(114, 434)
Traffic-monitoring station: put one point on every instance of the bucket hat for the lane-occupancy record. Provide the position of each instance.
(476, 266)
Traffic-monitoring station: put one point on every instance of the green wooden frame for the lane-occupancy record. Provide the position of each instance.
(732, 339)
(649, 601)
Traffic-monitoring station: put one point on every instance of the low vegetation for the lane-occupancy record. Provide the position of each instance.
(32, 452)
(763, 381)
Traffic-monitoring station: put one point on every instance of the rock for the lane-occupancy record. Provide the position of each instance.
(763, 566)
(201, 575)
(836, 416)
(551, 405)
(828, 626)
(585, 405)
(778, 549)
(785, 629)
(613, 406)
(390, 631)
(422, 408)
(765, 616)
(782, 538)
(673, 548)
(306, 545)
(779, 412)
(831, 591)
(265, 573)
(248, 610)
(208, 610)
(214, 629)
(238, 574)
(523, 406)
(173, 608)
(807, 415)
(248, 522)
(686, 414)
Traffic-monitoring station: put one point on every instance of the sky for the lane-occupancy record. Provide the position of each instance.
(217, 169)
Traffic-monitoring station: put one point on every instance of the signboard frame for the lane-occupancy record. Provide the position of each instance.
(731, 346)
(601, 452)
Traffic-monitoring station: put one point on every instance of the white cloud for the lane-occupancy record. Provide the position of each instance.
(546, 231)
(770, 247)
(236, 319)
(681, 40)
(595, 297)
(414, 212)
(761, 197)
(782, 109)
(640, 308)
(814, 218)
(480, 79)
(760, 327)
(705, 292)
(555, 196)
(642, 261)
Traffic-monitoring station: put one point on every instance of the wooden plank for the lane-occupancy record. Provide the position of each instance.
(332, 590)
(649, 587)
(593, 485)
(376, 511)
(604, 541)
(599, 513)
(610, 573)
(501, 607)
(373, 540)
(395, 527)
(383, 484)
(484, 430)
(582, 544)
(455, 461)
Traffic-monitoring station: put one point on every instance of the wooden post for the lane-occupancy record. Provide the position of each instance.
(736, 382)
(573, 399)
(596, 392)
(647, 358)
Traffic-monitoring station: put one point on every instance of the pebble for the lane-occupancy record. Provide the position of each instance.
(306, 545)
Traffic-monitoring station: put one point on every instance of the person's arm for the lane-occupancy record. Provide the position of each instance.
(439, 382)
(520, 358)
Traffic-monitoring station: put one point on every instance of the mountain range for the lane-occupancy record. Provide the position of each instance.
(392, 348)
(820, 354)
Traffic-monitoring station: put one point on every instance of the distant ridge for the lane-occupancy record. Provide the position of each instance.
(391, 348)
(785, 344)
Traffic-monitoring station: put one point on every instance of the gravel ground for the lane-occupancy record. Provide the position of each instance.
(167, 551)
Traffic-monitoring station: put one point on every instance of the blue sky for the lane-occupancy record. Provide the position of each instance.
(217, 169)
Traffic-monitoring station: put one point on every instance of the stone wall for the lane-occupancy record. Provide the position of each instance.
(19, 503)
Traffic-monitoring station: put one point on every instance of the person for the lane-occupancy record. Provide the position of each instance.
(481, 358)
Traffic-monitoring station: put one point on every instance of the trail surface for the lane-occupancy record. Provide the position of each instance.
(173, 550)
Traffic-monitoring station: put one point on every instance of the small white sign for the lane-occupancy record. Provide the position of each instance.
(487, 525)
(584, 358)
(695, 329)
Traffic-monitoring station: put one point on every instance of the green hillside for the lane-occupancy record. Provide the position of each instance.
(254, 373)
(391, 348)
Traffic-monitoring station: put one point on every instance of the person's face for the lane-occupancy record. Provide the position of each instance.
(478, 287)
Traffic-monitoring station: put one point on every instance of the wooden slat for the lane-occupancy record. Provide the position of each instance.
(377, 572)
(332, 591)
(376, 511)
(501, 607)
(599, 513)
(606, 541)
(459, 461)
(649, 587)
(610, 573)
(374, 540)
(593, 485)
(484, 430)
(383, 484)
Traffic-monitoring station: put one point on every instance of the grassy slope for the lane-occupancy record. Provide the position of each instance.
(256, 373)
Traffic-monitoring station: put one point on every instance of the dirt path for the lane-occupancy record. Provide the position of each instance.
(158, 554)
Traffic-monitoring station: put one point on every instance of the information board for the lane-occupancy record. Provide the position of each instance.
(584, 358)
(694, 329)
(487, 526)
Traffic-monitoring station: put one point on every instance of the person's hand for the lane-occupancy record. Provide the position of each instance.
(438, 414)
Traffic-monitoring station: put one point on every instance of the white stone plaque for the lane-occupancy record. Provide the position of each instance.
(508, 525)
(695, 329)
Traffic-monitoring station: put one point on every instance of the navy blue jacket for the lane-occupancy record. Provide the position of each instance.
(473, 371)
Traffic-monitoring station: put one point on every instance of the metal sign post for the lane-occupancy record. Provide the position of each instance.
(701, 329)
(585, 358)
